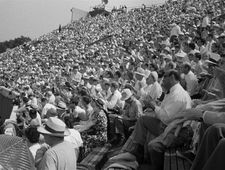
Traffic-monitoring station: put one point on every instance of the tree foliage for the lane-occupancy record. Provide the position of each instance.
(13, 43)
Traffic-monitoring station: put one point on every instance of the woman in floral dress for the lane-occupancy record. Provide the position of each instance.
(96, 133)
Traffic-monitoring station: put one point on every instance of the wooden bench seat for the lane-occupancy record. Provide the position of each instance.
(174, 161)
(94, 160)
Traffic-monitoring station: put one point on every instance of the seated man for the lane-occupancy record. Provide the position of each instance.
(46, 107)
(190, 79)
(152, 91)
(132, 110)
(175, 101)
(211, 150)
(58, 153)
(212, 143)
(114, 100)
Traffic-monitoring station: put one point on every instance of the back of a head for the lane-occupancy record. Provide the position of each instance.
(192, 46)
(32, 134)
(187, 66)
(75, 100)
(171, 65)
(43, 100)
(118, 73)
(198, 56)
(86, 100)
(175, 74)
(114, 85)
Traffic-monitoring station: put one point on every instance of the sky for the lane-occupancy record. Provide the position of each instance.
(33, 18)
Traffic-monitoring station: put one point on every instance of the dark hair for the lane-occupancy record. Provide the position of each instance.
(75, 100)
(187, 66)
(25, 99)
(145, 64)
(161, 73)
(43, 99)
(175, 74)
(32, 134)
(202, 41)
(172, 65)
(115, 85)
(130, 75)
(110, 74)
(191, 46)
(198, 56)
(154, 66)
(118, 73)
(32, 113)
(86, 100)
(68, 122)
(83, 92)
(173, 38)
(128, 86)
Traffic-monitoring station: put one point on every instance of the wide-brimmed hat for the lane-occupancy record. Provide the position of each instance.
(155, 75)
(54, 127)
(61, 105)
(167, 49)
(169, 57)
(52, 112)
(180, 54)
(140, 71)
(212, 61)
(126, 94)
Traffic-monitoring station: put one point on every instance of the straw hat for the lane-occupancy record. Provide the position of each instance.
(140, 71)
(54, 127)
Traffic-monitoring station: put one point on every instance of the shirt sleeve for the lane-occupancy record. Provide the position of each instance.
(134, 113)
(47, 162)
(44, 111)
(155, 92)
(112, 103)
(165, 114)
(139, 109)
(210, 117)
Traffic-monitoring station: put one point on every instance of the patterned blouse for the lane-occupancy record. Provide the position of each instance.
(96, 136)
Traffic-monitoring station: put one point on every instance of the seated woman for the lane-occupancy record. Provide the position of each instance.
(32, 136)
(152, 91)
(74, 137)
(77, 113)
(94, 133)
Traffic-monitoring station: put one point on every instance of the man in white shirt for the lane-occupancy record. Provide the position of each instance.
(61, 154)
(190, 79)
(106, 92)
(140, 80)
(175, 30)
(114, 99)
(76, 76)
(175, 101)
(209, 43)
(198, 69)
(76, 110)
(207, 19)
(46, 107)
(51, 97)
(153, 90)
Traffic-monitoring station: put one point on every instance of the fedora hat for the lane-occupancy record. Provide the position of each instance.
(140, 71)
(54, 127)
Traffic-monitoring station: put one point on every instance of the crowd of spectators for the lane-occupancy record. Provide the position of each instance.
(90, 82)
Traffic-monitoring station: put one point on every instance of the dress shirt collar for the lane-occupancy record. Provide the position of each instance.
(173, 88)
